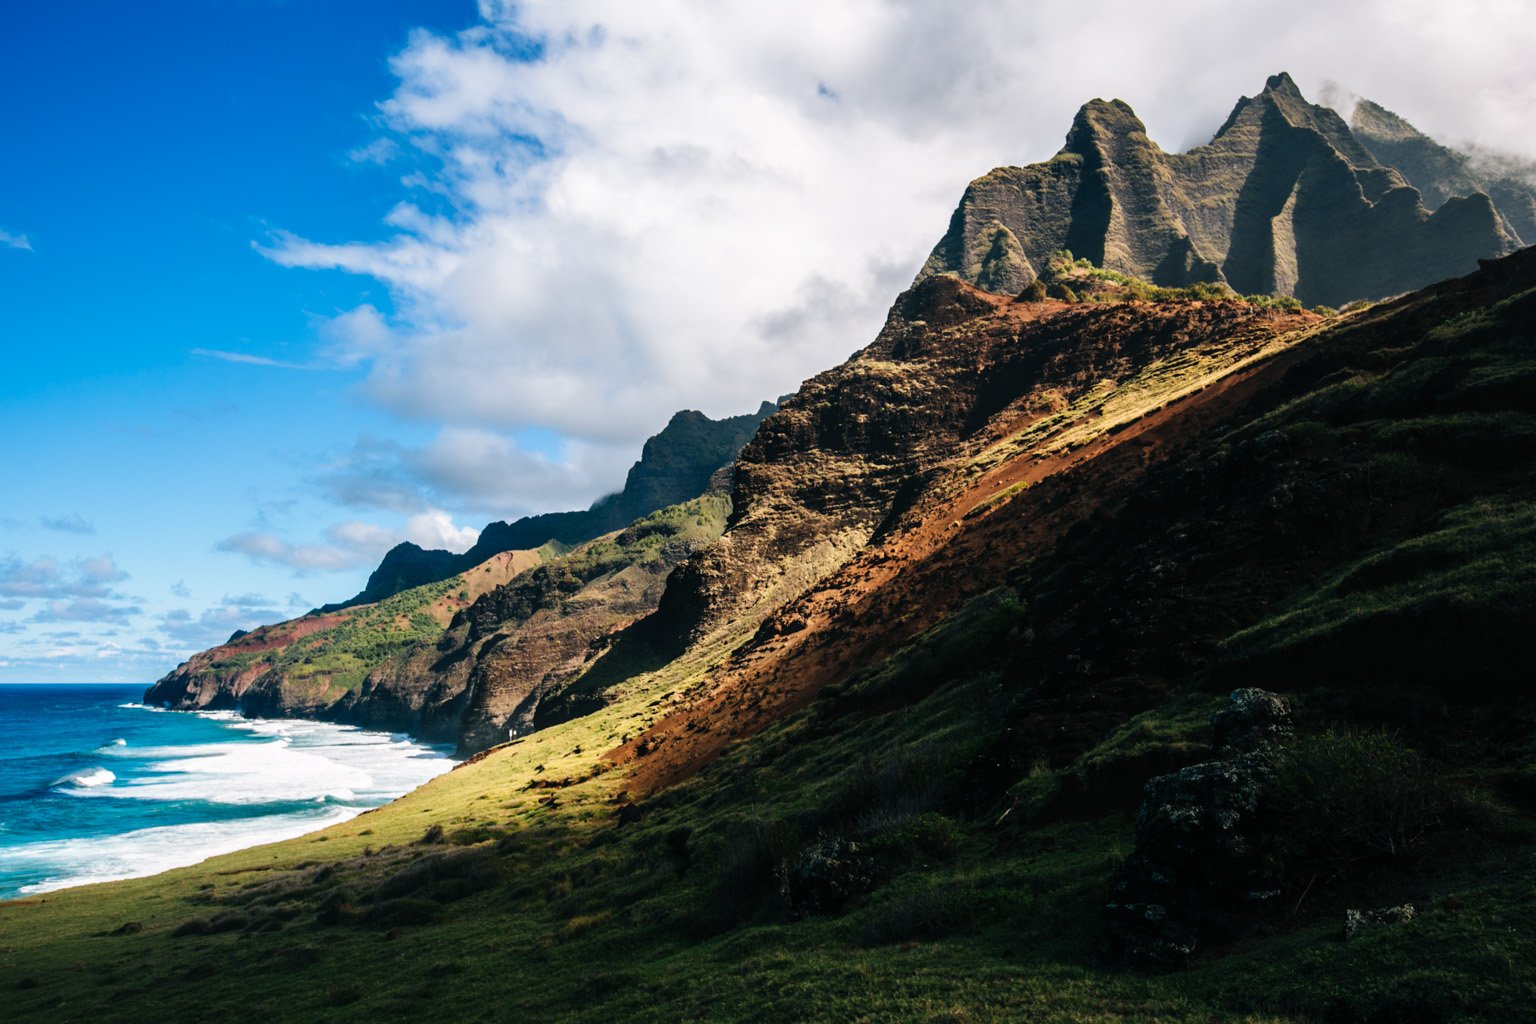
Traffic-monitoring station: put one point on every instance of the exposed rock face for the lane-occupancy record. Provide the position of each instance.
(1441, 173)
(675, 465)
(824, 472)
(863, 510)
(484, 655)
(1284, 200)
(1199, 871)
(524, 642)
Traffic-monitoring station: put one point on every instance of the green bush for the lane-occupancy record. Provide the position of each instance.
(1348, 798)
(1033, 292)
(745, 871)
(930, 836)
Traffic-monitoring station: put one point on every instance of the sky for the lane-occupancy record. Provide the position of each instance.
(285, 282)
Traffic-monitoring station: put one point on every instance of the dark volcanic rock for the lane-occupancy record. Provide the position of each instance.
(824, 876)
(1360, 922)
(1200, 871)
(1254, 721)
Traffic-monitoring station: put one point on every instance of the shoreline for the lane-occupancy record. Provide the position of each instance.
(176, 793)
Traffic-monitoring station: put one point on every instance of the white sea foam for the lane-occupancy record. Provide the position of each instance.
(86, 778)
(293, 761)
(318, 773)
(67, 862)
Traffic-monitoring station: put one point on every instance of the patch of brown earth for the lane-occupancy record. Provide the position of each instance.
(966, 532)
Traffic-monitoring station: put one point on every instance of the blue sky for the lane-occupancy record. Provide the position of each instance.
(284, 282)
(146, 147)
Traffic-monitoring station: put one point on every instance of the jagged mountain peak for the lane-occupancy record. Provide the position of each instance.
(1100, 123)
(1282, 82)
(1374, 121)
(1441, 173)
(1281, 107)
(1285, 199)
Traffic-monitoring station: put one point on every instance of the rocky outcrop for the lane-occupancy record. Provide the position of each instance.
(1199, 872)
(526, 647)
(1283, 200)
(675, 465)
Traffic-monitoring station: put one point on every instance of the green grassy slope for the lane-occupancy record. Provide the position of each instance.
(1359, 535)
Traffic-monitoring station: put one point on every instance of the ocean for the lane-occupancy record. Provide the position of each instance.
(95, 787)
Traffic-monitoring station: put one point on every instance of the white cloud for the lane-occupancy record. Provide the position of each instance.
(379, 151)
(248, 359)
(46, 578)
(351, 544)
(687, 205)
(85, 609)
(10, 241)
(476, 470)
(214, 625)
(71, 523)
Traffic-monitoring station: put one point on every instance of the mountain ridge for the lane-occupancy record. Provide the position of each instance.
(675, 465)
(1117, 650)
(1284, 199)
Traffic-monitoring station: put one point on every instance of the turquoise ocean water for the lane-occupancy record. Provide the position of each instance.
(94, 786)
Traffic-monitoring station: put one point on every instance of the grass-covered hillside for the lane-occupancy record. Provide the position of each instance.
(1343, 516)
(430, 660)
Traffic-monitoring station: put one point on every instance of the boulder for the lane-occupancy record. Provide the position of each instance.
(1253, 721)
(1199, 872)
(824, 876)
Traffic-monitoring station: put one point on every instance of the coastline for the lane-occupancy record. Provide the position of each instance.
(176, 787)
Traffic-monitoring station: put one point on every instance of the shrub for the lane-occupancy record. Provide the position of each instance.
(443, 877)
(1033, 292)
(888, 789)
(1343, 798)
(929, 836)
(746, 870)
(402, 912)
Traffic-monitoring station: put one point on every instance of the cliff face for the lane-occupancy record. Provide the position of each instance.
(1283, 200)
(1441, 173)
(461, 661)
(675, 465)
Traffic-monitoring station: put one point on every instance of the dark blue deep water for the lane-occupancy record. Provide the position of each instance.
(94, 786)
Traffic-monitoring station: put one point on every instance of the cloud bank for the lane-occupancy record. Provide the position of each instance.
(352, 544)
(610, 210)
